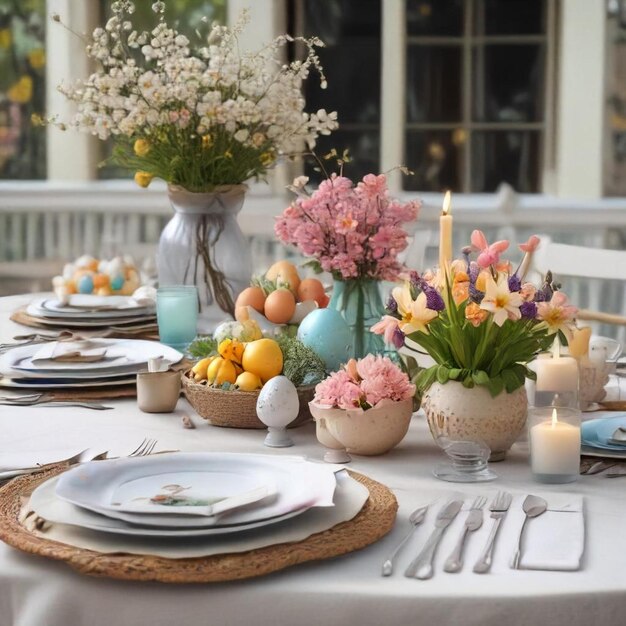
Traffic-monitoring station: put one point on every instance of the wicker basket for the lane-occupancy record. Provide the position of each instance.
(236, 409)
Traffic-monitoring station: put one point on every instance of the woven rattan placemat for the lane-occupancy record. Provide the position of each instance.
(374, 521)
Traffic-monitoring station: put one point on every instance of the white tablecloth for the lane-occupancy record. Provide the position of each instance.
(347, 590)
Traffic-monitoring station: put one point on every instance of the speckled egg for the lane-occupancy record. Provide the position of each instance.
(328, 335)
(278, 402)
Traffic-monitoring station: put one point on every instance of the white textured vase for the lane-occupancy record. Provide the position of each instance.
(370, 432)
(202, 245)
(463, 414)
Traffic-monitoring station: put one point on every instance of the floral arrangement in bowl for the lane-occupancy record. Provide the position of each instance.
(364, 408)
(479, 320)
(364, 384)
(198, 114)
(355, 232)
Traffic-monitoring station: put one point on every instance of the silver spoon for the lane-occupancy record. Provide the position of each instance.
(416, 518)
(533, 506)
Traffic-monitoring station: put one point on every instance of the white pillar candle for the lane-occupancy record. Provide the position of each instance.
(557, 374)
(445, 235)
(555, 447)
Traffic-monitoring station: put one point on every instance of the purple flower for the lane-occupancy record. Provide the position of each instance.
(434, 301)
(398, 338)
(474, 270)
(541, 296)
(528, 310)
(392, 305)
(515, 284)
(476, 295)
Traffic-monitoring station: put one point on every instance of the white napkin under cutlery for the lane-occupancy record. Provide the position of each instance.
(554, 540)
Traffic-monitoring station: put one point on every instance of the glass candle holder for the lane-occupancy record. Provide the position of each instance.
(177, 315)
(557, 382)
(554, 440)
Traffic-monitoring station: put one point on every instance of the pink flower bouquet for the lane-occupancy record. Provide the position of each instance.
(364, 384)
(352, 231)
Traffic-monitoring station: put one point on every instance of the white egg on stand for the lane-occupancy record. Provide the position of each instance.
(277, 406)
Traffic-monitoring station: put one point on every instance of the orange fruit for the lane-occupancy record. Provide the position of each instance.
(264, 358)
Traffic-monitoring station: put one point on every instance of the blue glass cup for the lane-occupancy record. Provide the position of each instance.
(177, 315)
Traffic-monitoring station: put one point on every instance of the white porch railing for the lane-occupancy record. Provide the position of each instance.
(60, 221)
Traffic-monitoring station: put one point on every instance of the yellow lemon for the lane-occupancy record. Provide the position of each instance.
(247, 381)
(264, 358)
(222, 371)
(199, 370)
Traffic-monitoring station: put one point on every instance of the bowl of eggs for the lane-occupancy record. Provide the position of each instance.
(88, 275)
(280, 298)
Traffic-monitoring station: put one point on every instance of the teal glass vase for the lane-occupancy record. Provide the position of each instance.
(359, 302)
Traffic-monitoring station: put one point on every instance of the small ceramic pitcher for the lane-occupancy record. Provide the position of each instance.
(157, 392)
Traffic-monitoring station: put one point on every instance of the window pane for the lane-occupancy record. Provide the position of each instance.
(22, 89)
(436, 158)
(434, 17)
(505, 156)
(185, 15)
(364, 147)
(508, 83)
(351, 58)
(510, 17)
(433, 89)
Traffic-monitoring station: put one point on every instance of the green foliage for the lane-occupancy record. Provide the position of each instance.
(489, 355)
(203, 346)
(300, 364)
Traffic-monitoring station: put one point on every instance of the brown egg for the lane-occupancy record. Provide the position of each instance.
(312, 289)
(252, 296)
(280, 306)
(284, 274)
(241, 313)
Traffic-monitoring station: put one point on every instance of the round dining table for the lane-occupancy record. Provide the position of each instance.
(348, 590)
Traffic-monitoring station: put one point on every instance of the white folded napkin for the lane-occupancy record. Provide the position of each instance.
(70, 352)
(556, 539)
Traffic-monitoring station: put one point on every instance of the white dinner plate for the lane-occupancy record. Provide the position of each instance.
(125, 323)
(97, 486)
(45, 502)
(138, 350)
(94, 302)
(51, 308)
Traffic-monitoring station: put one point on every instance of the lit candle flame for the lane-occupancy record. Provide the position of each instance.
(446, 203)
(554, 418)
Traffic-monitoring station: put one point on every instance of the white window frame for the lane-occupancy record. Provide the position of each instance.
(577, 109)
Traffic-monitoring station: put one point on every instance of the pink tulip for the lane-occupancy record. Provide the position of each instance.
(489, 254)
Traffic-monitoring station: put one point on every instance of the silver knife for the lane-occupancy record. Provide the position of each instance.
(422, 566)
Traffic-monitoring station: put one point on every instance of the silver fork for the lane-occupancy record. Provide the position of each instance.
(473, 522)
(416, 518)
(498, 508)
(144, 448)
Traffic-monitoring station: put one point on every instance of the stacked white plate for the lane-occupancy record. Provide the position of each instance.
(122, 359)
(91, 311)
(174, 495)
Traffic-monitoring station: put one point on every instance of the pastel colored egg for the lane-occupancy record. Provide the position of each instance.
(278, 403)
(85, 284)
(100, 280)
(328, 335)
(117, 282)
(104, 291)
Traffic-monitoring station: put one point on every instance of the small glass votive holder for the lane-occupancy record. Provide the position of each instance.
(177, 315)
(557, 382)
(554, 441)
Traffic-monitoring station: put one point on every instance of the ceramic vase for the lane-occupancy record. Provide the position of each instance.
(202, 245)
(471, 414)
(369, 433)
(359, 302)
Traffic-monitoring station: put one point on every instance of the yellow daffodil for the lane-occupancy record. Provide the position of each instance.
(21, 92)
(500, 301)
(143, 179)
(141, 147)
(207, 142)
(266, 158)
(415, 314)
(37, 58)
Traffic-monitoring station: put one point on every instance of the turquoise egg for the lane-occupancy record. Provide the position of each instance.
(117, 282)
(328, 335)
(85, 284)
